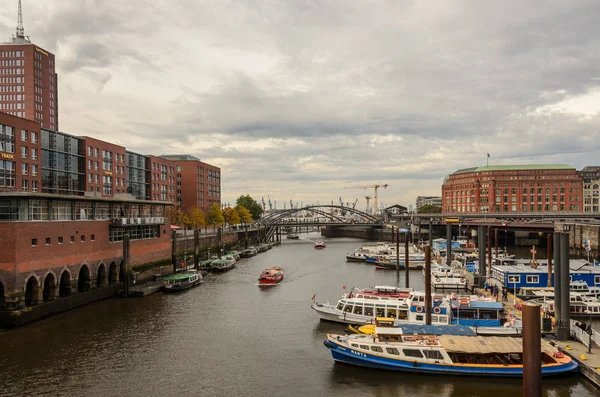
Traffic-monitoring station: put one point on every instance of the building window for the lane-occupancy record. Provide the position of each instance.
(514, 279)
(60, 240)
(93, 237)
(34, 154)
(72, 239)
(533, 279)
(34, 242)
(47, 240)
(25, 185)
(95, 152)
(82, 238)
(23, 135)
(34, 137)
(24, 169)
(24, 152)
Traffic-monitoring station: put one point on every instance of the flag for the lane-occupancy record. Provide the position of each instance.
(344, 287)
(314, 296)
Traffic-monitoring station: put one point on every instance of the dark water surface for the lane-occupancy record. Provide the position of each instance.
(227, 337)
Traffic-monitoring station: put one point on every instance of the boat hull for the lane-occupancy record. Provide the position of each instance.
(270, 281)
(349, 356)
(179, 288)
(222, 269)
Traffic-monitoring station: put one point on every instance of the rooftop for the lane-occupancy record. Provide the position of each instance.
(575, 266)
(179, 157)
(521, 167)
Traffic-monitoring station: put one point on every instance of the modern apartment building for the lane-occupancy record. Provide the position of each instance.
(513, 188)
(428, 200)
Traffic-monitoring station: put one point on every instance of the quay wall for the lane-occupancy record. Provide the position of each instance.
(578, 233)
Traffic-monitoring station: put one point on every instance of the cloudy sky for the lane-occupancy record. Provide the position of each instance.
(300, 99)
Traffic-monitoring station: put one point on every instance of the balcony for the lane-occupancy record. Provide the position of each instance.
(133, 221)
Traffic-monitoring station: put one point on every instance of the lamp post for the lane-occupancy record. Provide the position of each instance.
(589, 331)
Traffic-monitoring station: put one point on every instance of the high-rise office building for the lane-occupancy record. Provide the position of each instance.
(28, 81)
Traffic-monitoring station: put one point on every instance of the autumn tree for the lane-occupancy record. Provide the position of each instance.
(197, 218)
(244, 214)
(430, 209)
(251, 205)
(231, 216)
(215, 216)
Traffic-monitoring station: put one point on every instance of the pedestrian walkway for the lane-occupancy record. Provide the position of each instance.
(589, 363)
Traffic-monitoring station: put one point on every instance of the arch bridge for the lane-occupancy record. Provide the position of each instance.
(315, 215)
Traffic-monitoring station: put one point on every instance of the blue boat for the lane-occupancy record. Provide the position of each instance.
(392, 349)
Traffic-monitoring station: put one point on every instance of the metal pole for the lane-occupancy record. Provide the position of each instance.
(564, 327)
(419, 231)
(398, 251)
(496, 241)
(430, 233)
(393, 235)
(173, 250)
(481, 247)
(196, 248)
(557, 279)
(406, 282)
(448, 244)
(125, 264)
(532, 351)
(427, 285)
(549, 254)
(489, 249)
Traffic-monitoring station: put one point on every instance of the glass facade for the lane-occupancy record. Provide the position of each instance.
(138, 176)
(63, 164)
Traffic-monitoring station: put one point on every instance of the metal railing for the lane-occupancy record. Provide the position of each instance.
(584, 336)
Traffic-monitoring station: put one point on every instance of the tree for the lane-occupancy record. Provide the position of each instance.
(197, 218)
(231, 216)
(245, 215)
(214, 216)
(430, 209)
(251, 205)
(174, 214)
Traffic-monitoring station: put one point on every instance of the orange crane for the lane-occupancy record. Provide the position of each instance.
(375, 188)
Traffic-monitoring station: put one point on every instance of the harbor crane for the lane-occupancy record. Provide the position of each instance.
(368, 201)
(375, 189)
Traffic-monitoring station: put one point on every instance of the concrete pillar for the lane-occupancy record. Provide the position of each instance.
(448, 244)
(126, 263)
(481, 247)
(430, 233)
(196, 248)
(173, 250)
(564, 326)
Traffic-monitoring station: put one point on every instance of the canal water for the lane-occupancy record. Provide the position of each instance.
(227, 337)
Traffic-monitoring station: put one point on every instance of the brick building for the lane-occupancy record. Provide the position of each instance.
(20, 154)
(513, 188)
(28, 80)
(162, 179)
(198, 183)
(105, 167)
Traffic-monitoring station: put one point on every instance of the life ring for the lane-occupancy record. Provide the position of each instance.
(462, 279)
(559, 355)
(437, 310)
(437, 280)
(419, 309)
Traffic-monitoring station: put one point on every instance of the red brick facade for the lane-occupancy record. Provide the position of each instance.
(24, 154)
(106, 168)
(28, 83)
(162, 179)
(501, 189)
(198, 184)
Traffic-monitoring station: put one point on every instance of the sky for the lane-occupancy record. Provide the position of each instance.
(311, 100)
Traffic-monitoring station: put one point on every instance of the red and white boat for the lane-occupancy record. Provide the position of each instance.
(272, 275)
(319, 245)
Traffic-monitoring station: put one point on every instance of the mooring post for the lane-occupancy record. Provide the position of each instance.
(549, 254)
(393, 236)
(406, 282)
(174, 250)
(565, 324)
(126, 264)
(427, 285)
(246, 240)
(430, 232)
(481, 248)
(448, 244)
(398, 250)
(532, 351)
(557, 281)
(196, 248)
(496, 241)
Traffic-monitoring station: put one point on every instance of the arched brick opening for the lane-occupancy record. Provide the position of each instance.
(101, 276)
(1, 295)
(49, 287)
(64, 288)
(31, 291)
(112, 273)
(83, 279)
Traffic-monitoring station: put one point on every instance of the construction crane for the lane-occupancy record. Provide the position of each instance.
(368, 201)
(355, 202)
(375, 188)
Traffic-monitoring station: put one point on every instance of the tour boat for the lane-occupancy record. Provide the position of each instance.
(272, 275)
(293, 237)
(222, 265)
(380, 292)
(249, 252)
(579, 305)
(404, 311)
(262, 248)
(182, 281)
(392, 349)
(319, 245)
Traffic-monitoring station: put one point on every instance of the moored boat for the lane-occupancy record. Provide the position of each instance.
(293, 237)
(272, 275)
(182, 281)
(319, 245)
(247, 253)
(222, 265)
(392, 349)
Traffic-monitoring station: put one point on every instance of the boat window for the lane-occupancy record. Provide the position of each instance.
(377, 349)
(358, 310)
(434, 319)
(340, 306)
(348, 309)
(354, 345)
(419, 317)
(380, 312)
(412, 353)
(391, 312)
(368, 311)
(392, 350)
(433, 354)
(364, 347)
(443, 320)
(369, 304)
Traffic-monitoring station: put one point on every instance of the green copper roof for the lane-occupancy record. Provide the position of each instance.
(524, 167)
